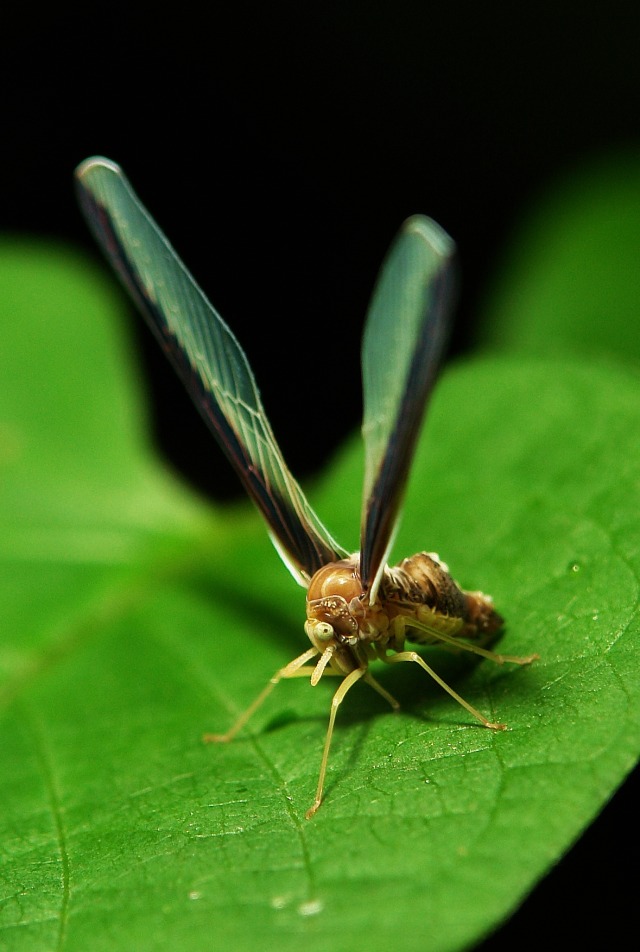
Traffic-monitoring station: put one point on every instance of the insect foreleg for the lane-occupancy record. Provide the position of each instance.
(336, 701)
(389, 698)
(414, 656)
(292, 670)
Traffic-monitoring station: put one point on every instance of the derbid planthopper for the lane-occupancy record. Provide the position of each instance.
(358, 608)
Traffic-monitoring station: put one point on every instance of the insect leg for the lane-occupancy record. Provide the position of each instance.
(461, 645)
(337, 700)
(389, 698)
(414, 656)
(292, 670)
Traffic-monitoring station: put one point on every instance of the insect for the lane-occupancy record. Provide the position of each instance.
(358, 608)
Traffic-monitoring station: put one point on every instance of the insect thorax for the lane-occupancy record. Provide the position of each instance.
(419, 590)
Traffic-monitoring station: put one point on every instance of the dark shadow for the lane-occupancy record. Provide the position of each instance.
(587, 900)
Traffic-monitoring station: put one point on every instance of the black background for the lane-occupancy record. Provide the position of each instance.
(280, 146)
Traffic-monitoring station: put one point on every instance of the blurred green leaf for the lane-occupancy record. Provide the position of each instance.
(569, 280)
(135, 617)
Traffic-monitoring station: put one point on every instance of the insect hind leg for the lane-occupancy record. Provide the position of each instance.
(457, 643)
(418, 659)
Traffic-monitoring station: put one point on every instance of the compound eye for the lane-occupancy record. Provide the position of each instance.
(323, 631)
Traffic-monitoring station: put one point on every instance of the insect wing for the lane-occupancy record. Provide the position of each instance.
(209, 360)
(404, 337)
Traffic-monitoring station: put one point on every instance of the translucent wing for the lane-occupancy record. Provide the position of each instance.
(208, 358)
(403, 342)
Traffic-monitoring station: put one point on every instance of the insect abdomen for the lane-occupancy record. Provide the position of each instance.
(424, 580)
(422, 587)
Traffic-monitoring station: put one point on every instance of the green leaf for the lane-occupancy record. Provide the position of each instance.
(569, 279)
(135, 617)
